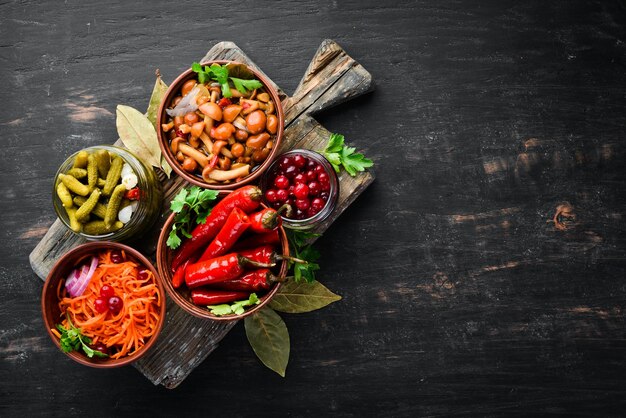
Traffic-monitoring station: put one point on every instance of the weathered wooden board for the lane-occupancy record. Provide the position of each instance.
(332, 78)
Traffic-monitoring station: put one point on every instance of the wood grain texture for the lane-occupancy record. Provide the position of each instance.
(186, 341)
(460, 296)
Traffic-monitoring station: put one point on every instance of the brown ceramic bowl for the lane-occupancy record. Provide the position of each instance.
(182, 295)
(50, 305)
(162, 116)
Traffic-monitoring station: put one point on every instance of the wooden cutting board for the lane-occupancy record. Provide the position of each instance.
(185, 341)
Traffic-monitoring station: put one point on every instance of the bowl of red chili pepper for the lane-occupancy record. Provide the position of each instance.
(103, 304)
(231, 262)
(220, 124)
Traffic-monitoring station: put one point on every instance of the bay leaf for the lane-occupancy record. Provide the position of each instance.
(138, 134)
(158, 93)
(165, 167)
(269, 338)
(299, 297)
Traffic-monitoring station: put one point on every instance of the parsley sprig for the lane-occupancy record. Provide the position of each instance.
(236, 308)
(338, 154)
(219, 73)
(72, 339)
(187, 203)
(300, 247)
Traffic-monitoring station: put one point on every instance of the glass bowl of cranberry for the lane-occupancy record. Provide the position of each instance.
(307, 182)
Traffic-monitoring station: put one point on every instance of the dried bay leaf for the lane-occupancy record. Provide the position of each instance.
(138, 134)
(269, 338)
(158, 93)
(299, 297)
(165, 167)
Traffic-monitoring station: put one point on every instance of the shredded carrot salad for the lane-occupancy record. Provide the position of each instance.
(127, 331)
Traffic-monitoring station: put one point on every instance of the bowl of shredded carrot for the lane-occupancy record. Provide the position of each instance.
(103, 304)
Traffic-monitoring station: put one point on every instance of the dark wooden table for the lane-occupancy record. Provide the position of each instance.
(482, 273)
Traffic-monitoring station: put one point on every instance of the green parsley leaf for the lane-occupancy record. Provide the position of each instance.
(189, 204)
(72, 339)
(220, 74)
(220, 310)
(340, 155)
(244, 86)
(301, 238)
(236, 307)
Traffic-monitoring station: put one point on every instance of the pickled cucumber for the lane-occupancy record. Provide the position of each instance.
(64, 195)
(79, 173)
(82, 213)
(101, 182)
(114, 204)
(99, 227)
(74, 185)
(99, 210)
(74, 224)
(81, 160)
(113, 176)
(103, 159)
(92, 172)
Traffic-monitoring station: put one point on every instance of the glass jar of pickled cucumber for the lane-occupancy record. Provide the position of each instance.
(99, 198)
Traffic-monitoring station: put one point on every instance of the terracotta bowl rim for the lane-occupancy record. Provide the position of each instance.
(60, 264)
(163, 141)
(166, 276)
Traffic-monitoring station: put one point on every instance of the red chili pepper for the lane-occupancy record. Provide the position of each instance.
(266, 254)
(179, 275)
(271, 238)
(235, 225)
(224, 102)
(246, 198)
(132, 194)
(254, 281)
(267, 219)
(214, 297)
(226, 267)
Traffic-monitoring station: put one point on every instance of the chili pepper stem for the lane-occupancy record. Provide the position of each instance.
(292, 259)
(273, 219)
(244, 261)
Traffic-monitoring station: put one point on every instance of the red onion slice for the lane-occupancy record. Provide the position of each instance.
(84, 279)
(71, 279)
(72, 285)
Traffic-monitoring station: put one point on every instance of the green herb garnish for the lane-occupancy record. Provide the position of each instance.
(338, 154)
(236, 308)
(186, 203)
(219, 73)
(72, 339)
(298, 241)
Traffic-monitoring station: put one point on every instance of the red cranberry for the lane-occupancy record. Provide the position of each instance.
(116, 257)
(324, 196)
(143, 274)
(115, 304)
(314, 188)
(310, 165)
(299, 161)
(303, 204)
(101, 347)
(271, 197)
(284, 163)
(290, 172)
(317, 204)
(301, 191)
(323, 177)
(300, 178)
(319, 169)
(311, 175)
(281, 182)
(101, 305)
(106, 291)
(282, 195)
